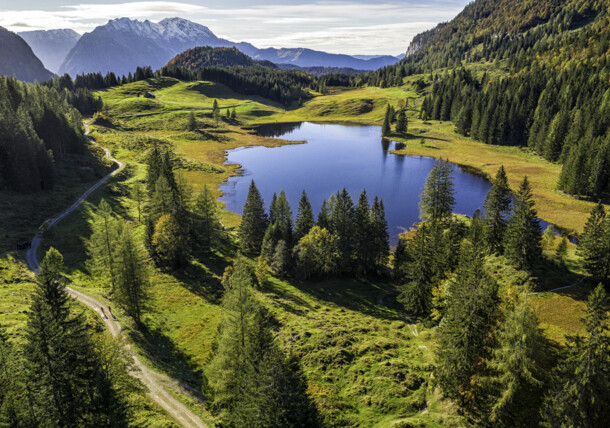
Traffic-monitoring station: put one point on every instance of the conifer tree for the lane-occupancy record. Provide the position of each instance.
(380, 241)
(342, 221)
(233, 114)
(137, 195)
(132, 275)
(497, 210)
(324, 216)
(363, 235)
(513, 363)
(464, 332)
(207, 224)
(305, 220)
(101, 246)
(253, 223)
(522, 244)
(281, 258)
(386, 127)
(416, 293)
(68, 383)
(561, 251)
(401, 122)
(548, 237)
(580, 383)
(594, 245)
(253, 382)
(166, 242)
(438, 197)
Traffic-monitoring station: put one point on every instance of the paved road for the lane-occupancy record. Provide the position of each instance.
(155, 382)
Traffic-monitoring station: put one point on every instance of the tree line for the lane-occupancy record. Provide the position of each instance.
(346, 238)
(38, 126)
(559, 115)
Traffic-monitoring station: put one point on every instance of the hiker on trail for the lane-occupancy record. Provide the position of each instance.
(103, 313)
(110, 310)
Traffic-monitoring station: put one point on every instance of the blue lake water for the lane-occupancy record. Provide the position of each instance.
(338, 156)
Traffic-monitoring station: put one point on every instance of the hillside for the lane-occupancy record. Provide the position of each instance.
(535, 76)
(17, 59)
(51, 46)
(195, 58)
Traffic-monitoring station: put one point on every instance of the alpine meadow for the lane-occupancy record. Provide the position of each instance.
(196, 232)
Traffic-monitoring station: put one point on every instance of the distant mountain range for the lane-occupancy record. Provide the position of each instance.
(51, 46)
(123, 44)
(17, 59)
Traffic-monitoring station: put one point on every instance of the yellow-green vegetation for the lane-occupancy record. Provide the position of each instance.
(366, 365)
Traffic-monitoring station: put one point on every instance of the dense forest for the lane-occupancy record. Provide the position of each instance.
(38, 125)
(552, 94)
(206, 56)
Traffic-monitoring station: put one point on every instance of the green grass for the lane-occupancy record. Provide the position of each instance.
(364, 365)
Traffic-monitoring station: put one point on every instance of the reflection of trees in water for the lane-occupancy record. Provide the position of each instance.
(276, 129)
(385, 144)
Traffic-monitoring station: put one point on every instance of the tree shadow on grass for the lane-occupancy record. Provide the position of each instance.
(164, 355)
(376, 300)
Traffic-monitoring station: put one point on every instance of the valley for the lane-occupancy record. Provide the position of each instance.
(304, 244)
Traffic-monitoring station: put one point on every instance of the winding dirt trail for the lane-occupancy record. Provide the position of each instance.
(156, 383)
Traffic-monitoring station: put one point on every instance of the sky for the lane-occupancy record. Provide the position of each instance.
(372, 27)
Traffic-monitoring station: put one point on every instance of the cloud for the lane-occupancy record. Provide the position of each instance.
(350, 26)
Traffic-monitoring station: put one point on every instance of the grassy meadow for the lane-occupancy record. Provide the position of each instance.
(365, 363)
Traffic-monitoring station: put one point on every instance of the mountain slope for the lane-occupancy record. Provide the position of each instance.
(51, 46)
(212, 57)
(17, 59)
(124, 44)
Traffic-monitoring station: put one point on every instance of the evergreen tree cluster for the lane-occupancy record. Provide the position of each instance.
(431, 255)
(560, 115)
(284, 86)
(38, 126)
(254, 383)
(594, 245)
(59, 378)
(347, 239)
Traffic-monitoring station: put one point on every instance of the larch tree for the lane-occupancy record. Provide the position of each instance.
(101, 246)
(207, 223)
(464, 332)
(253, 223)
(514, 365)
(132, 275)
(497, 208)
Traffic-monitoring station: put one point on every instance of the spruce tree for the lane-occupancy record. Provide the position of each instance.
(594, 245)
(192, 122)
(132, 275)
(253, 223)
(68, 383)
(401, 123)
(380, 236)
(497, 210)
(522, 244)
(386, 127)
(438, 196)
(363, 235)
(305, 220)
(580, 383)
(324, 216)
(342, 222)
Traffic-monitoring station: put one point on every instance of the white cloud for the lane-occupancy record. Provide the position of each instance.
(351, 26)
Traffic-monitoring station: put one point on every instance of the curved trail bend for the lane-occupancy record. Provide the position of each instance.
(155, 382)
